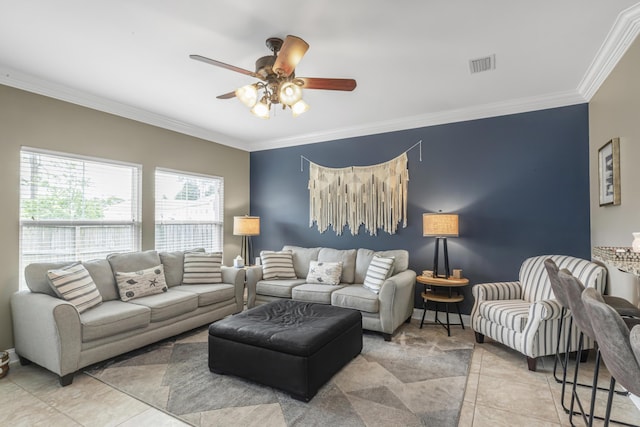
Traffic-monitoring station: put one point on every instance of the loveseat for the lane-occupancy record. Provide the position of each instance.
(382, 309)
(52, 332)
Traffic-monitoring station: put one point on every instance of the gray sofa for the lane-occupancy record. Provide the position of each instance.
(382, 312)
(50, 331)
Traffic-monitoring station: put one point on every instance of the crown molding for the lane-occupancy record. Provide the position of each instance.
(618, 40)
(523, 105)
(30, 83)
(622, 34)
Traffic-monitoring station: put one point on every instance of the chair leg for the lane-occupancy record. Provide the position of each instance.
(387, 337)
(574, 389)
(479, 338)
(607, 416)
(594, 388)
(532, 363)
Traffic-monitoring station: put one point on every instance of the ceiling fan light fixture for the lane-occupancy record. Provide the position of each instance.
(299, 107)
(248, 95)
(261, 109)
(290, 93)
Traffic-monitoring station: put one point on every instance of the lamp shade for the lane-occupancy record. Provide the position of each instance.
(246, 225)
(439, 225)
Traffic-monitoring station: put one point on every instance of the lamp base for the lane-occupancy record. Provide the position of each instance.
(446, 259)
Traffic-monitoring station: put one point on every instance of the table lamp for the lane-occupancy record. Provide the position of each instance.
(440, 226)
(246, 226)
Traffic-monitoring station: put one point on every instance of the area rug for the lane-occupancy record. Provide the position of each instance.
(418, 378)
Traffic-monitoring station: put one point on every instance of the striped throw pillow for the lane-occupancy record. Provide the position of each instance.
(202, 268)
(379, 269)
(277, 265)
(73, 283)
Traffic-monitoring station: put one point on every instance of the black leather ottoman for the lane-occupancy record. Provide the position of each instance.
(290, 345)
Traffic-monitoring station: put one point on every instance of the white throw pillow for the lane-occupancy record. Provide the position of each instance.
(141, 283)
(324, 273)
(379, 269)
(277, 265)
(202, 268)
(74, 284)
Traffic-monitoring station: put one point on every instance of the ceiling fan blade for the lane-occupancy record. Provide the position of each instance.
(291, 52)
(223, 65)
(227, 95)
(327, 84)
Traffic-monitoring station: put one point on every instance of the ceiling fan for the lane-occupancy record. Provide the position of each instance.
(278, 83)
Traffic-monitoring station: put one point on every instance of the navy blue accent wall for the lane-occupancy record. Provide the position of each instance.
(520, 184)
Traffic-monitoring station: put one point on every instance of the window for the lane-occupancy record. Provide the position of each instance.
(189, 211)
(76, 208)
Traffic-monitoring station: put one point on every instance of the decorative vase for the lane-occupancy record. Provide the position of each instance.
(635, 245)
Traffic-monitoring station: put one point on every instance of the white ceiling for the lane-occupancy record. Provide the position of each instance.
(410, 59)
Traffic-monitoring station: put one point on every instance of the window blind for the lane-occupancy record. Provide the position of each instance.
(74, 208)
(189, 211)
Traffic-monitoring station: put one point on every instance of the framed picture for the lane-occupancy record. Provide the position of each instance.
(609, 172)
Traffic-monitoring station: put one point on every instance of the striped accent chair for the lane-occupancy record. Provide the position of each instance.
(524, 315)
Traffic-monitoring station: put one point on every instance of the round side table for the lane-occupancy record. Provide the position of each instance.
(440, 291)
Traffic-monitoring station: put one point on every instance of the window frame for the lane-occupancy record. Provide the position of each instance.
(216, 223)
(136, 201)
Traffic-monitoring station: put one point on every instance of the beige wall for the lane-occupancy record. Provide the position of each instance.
(37, 121)
(614, 111)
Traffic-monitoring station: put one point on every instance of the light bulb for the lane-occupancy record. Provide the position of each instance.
(290, 93)
(299, 108)
(248, 95)
(261, 109)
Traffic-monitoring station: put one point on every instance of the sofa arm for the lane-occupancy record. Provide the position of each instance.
(254, 275)
(236, 277)
(396, 300)
(47, 331)
(497, 291)
(539, 312)
(492, 291)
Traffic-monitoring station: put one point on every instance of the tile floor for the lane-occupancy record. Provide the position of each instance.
(500, 392)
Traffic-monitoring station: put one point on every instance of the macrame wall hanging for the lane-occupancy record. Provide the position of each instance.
(375, 196)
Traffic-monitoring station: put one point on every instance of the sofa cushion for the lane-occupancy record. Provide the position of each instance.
(365, 256)
(202, 268)
(137, 284)
(512, 314)
(356, 297)
(100, 271)
(348, 258)
(127, 262)
(324, 273)
(277, 288)
(310, 292)
(168, 304)
(277, 265)
(173, 263)
(379, 269)
(73, 283)
(35, 275)
(209, 294)
(302, 257)
(111, 318)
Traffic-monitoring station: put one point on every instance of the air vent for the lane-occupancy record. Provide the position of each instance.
(482, 64)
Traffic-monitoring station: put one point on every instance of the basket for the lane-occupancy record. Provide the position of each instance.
(4, 363)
